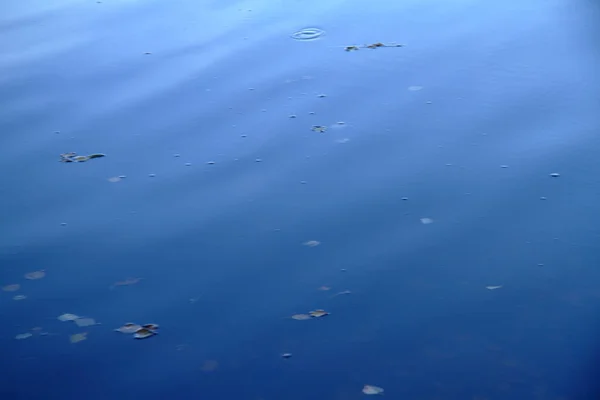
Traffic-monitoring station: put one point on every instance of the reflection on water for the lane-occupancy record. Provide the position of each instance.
(420, 219)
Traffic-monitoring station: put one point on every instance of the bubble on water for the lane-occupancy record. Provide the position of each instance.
(308, 34)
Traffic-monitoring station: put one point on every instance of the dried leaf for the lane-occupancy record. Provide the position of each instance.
(370, 389)
(11, 288)
(319, 128)
(129, 327)
(301, 317)
(35, 275)
(493, 287)
(143, 333)
(67, 317)
(78, 337)
(318, 313)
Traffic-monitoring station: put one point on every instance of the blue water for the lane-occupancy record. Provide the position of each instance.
(223, 187)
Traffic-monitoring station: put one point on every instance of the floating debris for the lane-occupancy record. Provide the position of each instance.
(370, 389)
(81, 322)
(308, 34)
(493, 287)
(129, 327)
(126, 282)
(415, 88)
(19, 297)
(152, 327)
(22, 336)
(318, 313)
(371, 46)
(555, 174)
(209, 365)
(78, 337)
(325, 288)
(11, 288)
(73, 157)
(67, 317)
(301, 317)
(35, 275)
(319, 128)
(342, 293)
(143, 333)
(322, 95)
(426, 221)
(312, 243)
(286, 355)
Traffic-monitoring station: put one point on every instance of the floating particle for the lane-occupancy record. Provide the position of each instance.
(210, 162)
(143, 333)
(147, 53)
(325, 288)
(504, 166)
(67, 317)
(22, 336)
(35, 275)
(321, 95)
(126, 282)
(176, 155)
(63, 224)
(404, 198)
(152, 327)
(312, 243)
(209, 365)
(73, 157)
(19, 297)
(129, 327)
(78, 337)
(286, 355)
(187, 164)
(11, 288)
(319, 128)
(543, 198)
(114, 179)
(415, 88)
(344, 292)
(493, 287)
(318, 313)
(292, 116)
(258, 160)
(426, 221)
(308, 34)
(555, 175)
(370, 389)
(351, 48)
(301, 317)
(85, 322)
(151, 175)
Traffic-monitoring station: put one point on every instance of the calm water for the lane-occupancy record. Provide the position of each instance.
(508, 95)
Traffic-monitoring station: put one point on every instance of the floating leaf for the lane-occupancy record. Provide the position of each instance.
(19, 297)
(312, 243)
(129, 327)
(73, 157)
(318, 313)
(35, 275)
(126, 282)
(351, 48)
(370, 389)
(301, 317)
(319, 128)
(85, 322)
(67, 317)
(209, 365)
(143, 333)
(493, 287)
(375, 45)
(78, 337)
(22, 336)
(11, 288)
(152, 327)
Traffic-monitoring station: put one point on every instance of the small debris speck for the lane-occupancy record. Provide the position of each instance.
(555, 175)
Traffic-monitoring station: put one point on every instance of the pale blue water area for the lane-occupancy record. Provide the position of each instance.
(461, 127)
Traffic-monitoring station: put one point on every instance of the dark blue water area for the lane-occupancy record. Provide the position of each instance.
(225, 182)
